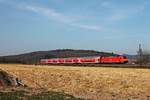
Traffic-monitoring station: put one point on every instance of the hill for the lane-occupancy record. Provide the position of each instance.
(34, 57)
(132, 57)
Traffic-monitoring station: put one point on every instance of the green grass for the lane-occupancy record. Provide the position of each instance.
(22, 95)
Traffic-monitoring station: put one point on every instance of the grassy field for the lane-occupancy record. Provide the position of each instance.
(96, 83)
(23, 95)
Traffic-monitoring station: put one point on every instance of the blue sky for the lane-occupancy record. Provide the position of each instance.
(104, 25)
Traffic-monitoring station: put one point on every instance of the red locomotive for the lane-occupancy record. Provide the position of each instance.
(97, 59)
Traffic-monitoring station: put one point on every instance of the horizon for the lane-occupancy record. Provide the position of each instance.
(63, 49)
(101, 25)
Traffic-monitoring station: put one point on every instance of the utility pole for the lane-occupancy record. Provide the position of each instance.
(140, 51)
(140, 55)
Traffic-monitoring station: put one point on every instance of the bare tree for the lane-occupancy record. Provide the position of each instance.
(143, 57)
(140, 56)
(146, 57)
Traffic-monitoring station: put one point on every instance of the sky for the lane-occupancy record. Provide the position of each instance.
(117, 26)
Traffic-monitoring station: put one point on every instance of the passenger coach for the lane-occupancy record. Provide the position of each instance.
(97, 59)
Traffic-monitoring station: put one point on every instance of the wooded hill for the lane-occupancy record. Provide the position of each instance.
(34, 57)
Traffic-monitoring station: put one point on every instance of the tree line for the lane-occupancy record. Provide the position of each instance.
(143, 57)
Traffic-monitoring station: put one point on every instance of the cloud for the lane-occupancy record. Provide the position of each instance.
(52, 14)
(1, 1)
(117, 16)
(115, 13)
(122, 11)
(89, 27)
(121, 14)
(106, 4)
(57, 16)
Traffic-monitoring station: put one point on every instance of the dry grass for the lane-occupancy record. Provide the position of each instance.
(87, 82)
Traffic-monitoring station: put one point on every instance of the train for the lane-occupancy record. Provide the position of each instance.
(119, 59)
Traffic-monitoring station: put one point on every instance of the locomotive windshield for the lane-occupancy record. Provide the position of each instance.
(124, 57)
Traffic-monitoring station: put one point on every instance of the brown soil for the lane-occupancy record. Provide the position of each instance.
(86, 82)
